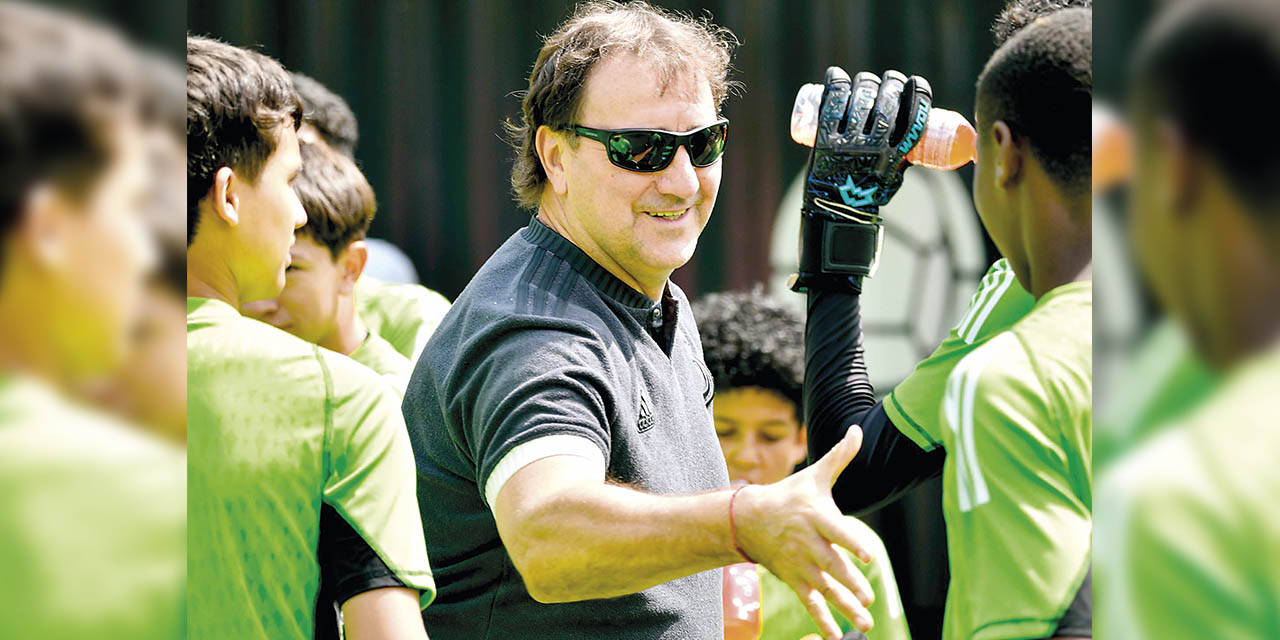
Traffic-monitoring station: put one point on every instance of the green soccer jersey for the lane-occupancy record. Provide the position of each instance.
(1016, 423)
(1188, 542)
(378, 354)
(1165, 379)
(913, 405)
(277, 425)
(92, 523)
(404, 314)
(783, 616)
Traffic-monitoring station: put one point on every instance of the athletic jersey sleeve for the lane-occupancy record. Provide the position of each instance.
(999, 302)
(1011, 499)
(371, 480)
(533, 384)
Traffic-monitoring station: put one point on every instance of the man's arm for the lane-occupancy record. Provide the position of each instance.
(574, 537)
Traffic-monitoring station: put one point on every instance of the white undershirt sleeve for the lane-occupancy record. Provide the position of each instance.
(561, 444)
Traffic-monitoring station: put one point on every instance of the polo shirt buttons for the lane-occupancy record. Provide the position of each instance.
(655, 317)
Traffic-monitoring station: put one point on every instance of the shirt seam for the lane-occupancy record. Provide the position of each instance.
(931, 443)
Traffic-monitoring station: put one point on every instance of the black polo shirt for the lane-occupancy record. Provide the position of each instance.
(545, 342)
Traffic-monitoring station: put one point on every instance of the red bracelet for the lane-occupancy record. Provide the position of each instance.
(733, 529)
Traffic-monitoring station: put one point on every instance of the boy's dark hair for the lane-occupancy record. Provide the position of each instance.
(337, 198)
(1204, 67)
(749, 340)
(1020, 13)
(1040, 83)
(676, 44)
(64, 82)
(328, 113)
(236, 101)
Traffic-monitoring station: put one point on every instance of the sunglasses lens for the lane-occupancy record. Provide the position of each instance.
(640, 150)
(705, 146)
(648, 151)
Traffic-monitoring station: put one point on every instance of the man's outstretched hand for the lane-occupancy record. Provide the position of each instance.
(792, 527)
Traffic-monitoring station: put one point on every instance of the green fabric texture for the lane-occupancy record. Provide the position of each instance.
(404, 314)
(93, 532)
(999, 302)
(783, 616)
(378, 354)
(277, 425)
(1165, 380)
(1017, 426)
(1189, 541)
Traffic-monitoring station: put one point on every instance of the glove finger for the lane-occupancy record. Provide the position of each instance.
(913, 114)
(835, 102)
(885, 116)
(865, 87)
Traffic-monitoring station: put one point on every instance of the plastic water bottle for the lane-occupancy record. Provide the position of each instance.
(741, 593)
(948, 141)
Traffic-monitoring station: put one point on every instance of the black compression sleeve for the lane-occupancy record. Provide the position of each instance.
(838, 393)
(1077, 621)
(348, 567)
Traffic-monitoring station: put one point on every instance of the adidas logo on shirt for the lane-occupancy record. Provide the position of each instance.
(645, 421)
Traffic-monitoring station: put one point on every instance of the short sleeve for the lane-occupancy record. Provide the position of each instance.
(371, 479)
(998, 303)
(532, 384)
(1019, 535)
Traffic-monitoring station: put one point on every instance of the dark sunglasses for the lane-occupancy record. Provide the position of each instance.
(649, 150)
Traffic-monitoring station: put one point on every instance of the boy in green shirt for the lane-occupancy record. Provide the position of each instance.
(92, 514)
(318, 302)
(1015, 418)
(754, 348)
(1189, 526)
(276, 426)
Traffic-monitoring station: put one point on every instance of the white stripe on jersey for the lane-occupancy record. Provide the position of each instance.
(1005, 280)
(962, 387)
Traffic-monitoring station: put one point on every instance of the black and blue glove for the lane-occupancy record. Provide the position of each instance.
(865, 129)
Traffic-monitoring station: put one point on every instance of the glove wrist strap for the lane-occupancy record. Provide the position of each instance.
(836, 253)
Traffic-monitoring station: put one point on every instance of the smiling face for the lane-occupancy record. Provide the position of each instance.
(639, 226)
(761, 438)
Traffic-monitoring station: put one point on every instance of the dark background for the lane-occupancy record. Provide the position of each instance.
(431, 82)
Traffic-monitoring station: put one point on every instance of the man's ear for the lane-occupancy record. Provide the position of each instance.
(226, 204)
(550, 146)
(353, 260)
(1009, 155)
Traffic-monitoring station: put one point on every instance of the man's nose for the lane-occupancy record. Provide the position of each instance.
(680, 178)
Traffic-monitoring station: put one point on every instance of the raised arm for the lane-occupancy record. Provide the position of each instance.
(865, 128)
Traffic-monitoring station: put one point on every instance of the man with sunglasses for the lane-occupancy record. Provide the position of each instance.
(569, 476)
